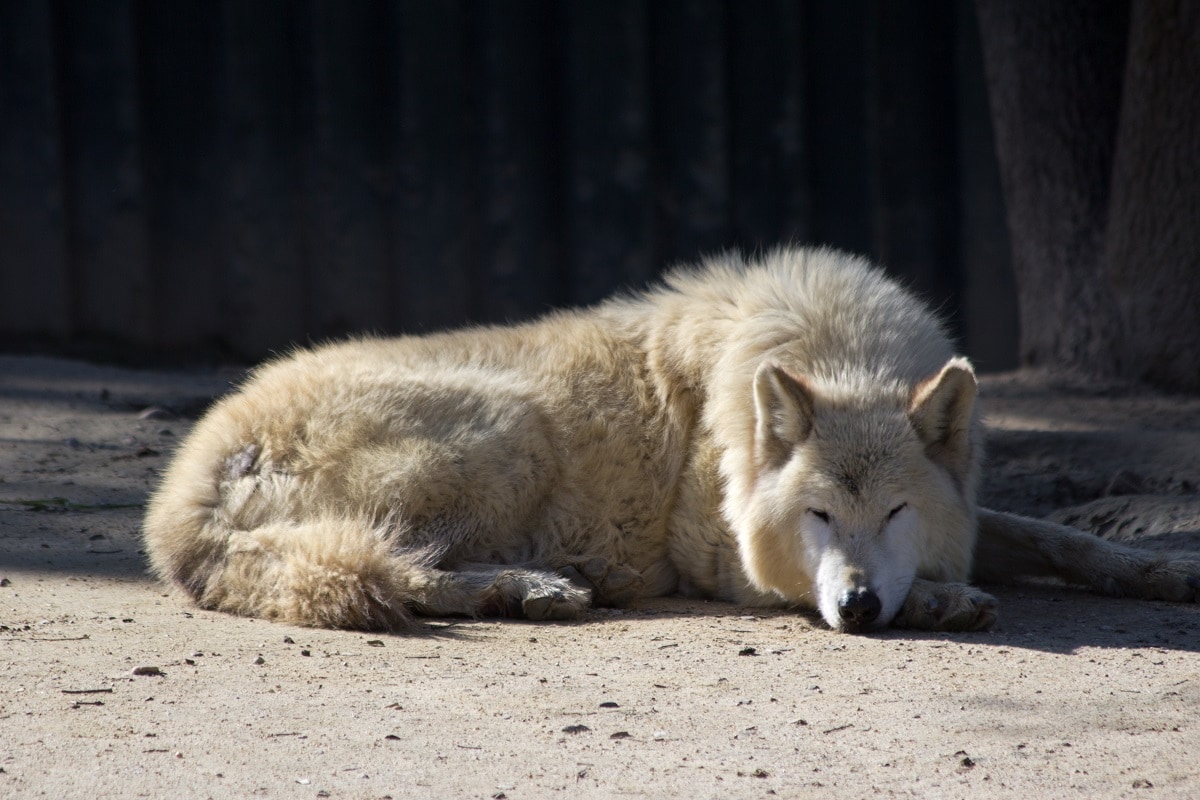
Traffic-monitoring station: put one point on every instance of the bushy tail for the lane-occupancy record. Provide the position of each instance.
(329, 572)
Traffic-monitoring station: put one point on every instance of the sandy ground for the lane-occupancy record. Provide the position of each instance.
(114, 686)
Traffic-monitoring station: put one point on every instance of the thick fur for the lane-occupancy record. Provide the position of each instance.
(792, 432)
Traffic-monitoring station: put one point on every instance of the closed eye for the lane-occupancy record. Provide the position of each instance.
(892, 514)
(819, 514)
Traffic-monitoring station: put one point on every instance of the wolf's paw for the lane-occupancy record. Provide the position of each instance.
(934, 606)
(1159, 577)
(555, 599)
(610, 584)
(532, 594)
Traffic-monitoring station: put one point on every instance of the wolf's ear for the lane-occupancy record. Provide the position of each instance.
(941, 412)
(783, 406)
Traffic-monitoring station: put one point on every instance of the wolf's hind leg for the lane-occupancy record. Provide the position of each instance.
(933, 606)
(1012, 546)
(488, 590)
(343, 573)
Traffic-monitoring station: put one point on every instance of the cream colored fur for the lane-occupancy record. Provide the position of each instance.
(792, 432)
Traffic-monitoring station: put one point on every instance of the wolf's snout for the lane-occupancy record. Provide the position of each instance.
(858, 608)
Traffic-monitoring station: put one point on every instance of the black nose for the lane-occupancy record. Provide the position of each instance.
(858, 607)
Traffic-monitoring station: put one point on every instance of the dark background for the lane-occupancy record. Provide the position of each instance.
(184, 181)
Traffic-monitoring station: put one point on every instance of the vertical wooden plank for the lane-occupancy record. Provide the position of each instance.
(989, 293)
(769, 191)
(34, 284)
(436, 217)
(351, 275)
(610, 215)
(264, 285)
(911, 124)
(180, 76)
(691, 103)
(521, 269)
(106, 208)
(836, 60)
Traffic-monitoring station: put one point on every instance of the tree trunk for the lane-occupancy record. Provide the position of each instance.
(1098, 156)
(1054, 79)
(1152, 256)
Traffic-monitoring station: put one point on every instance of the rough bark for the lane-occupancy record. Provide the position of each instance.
(1152, 257)
(1054, 80)
(1097, 126)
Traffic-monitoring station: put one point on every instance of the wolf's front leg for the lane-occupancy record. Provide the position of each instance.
(1012, 546)
(934, 606)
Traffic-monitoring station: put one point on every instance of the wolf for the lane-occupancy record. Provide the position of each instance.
(794, 430)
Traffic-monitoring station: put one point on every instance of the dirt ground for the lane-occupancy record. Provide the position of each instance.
(114, 686)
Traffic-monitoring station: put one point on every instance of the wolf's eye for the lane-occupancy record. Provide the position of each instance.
(892, 514)
(819, 514)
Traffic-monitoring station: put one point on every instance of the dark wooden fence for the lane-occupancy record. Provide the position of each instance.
(192, 178)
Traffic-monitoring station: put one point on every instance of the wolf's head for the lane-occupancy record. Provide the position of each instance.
(857, 493)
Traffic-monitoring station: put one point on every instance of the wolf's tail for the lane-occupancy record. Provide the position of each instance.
(324, 572)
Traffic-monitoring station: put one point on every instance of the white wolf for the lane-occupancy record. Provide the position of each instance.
(792, 432)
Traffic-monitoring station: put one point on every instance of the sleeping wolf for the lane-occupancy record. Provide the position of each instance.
(795, 431)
